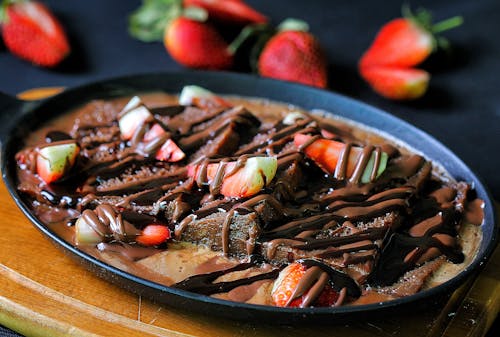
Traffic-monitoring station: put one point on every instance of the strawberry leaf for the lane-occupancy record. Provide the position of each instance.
(148, 22)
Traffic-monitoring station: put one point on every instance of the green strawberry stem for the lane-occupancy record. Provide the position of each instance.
(246, 33)
(423, 18)
(447, 24)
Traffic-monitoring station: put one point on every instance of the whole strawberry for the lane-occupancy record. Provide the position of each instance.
(31, 32)
(296, 56)
(196, 44)
(400, 45)
(407, 41)
(235, 12)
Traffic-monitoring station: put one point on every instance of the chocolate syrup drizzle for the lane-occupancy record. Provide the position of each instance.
(204, 283)
(347, 233)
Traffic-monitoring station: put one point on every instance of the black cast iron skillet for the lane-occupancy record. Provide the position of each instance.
(18, 119)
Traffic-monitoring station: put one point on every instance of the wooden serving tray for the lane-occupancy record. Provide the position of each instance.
(43, 292)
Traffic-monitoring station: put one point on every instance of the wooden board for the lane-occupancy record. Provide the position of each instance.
(43, 292)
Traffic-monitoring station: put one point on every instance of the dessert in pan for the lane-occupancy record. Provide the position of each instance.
(249, 200)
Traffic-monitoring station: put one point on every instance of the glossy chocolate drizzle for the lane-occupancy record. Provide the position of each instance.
(349, 234)
(109, 223)
(204, 283)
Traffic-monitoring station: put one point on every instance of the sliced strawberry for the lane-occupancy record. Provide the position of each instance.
(397, 83)
(229, 11)
(85, 233)
(241, 182)
(154, 132)
(326, 153)
(201, 97)
(153, 235)
(55, 160)
(292, 117)
(170, 152)
(31, 32)
(132, 116)
(286, 285)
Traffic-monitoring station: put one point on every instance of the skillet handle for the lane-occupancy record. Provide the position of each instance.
(10, 111)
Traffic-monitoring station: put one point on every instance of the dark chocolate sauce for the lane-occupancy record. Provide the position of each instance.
(204, 283)
(351, 233)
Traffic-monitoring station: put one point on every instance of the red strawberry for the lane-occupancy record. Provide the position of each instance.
(286, 284)
(406, 42)
(153, 235)
(32, 32)
(246, 181)
(326, 153)
(229, 11)
(401, 44)
(294, 56)
(133, 115)
(196, 44)
(55, 160)
(170, 152)
(397, 83)
(154, 132)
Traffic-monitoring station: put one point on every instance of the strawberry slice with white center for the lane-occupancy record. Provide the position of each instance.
(238, 179)
(201, 97)
(326, 154)
(132, 116)
(55, 160)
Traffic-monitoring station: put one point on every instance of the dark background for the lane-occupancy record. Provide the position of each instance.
(461, 108)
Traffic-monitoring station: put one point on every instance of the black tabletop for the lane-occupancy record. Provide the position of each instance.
(461, 108)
